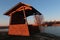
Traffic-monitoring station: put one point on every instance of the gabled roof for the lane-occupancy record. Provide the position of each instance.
(14, 8)
(19, 5)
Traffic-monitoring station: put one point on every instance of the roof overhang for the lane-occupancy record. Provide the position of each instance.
(12, 10)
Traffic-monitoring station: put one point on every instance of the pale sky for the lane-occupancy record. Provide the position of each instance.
(49, 8)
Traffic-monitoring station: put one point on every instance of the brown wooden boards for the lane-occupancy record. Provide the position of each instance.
(20, 29)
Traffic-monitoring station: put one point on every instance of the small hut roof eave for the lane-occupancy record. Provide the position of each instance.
(14, 8)
(19, 5)
(36, 11)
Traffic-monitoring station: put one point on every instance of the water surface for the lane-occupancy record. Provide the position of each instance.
(52, 30)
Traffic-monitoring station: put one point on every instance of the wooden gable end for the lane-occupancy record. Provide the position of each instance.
(20, 7)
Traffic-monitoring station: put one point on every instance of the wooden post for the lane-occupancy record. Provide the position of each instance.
(24, 15)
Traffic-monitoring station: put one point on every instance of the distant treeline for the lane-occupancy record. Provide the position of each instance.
(3, 27)
(51, 23)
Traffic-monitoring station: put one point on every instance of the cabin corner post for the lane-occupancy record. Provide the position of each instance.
(24, 15)
(25, 19)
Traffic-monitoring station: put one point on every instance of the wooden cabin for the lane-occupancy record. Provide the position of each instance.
(18, 23)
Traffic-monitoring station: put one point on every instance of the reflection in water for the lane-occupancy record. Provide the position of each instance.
(52, 29)
(3, 30)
